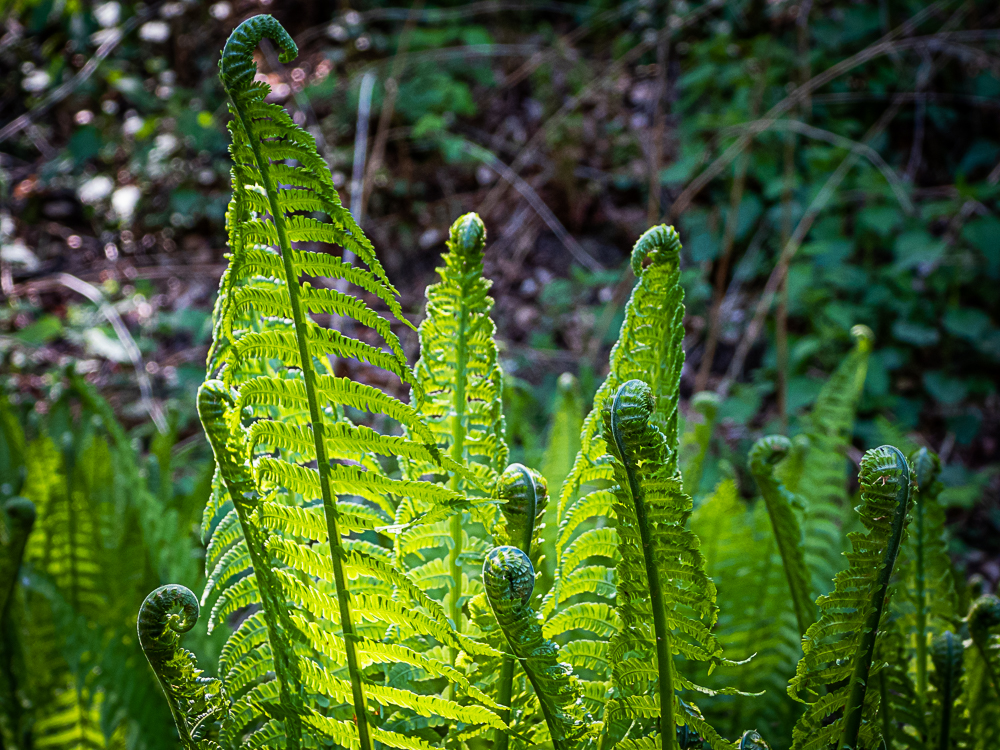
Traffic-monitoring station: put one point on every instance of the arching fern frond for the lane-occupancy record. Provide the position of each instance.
(839, 647)
(822, 482)
(665, 597)
(649, 348)
(509, 579)
(980, 700)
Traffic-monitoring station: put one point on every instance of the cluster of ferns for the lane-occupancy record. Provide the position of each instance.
(404, 587)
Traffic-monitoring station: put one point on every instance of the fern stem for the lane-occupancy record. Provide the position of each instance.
(316, 418)
(458, 454)
(866, 648)
(664, 660)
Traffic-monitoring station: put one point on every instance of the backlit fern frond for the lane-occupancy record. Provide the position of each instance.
(509, 579)
(696, 439)
(299, 554)
(947, 655)
(779, 502)
(586, 549)
(665, 598)
(823, 474)
(839, 647)
(460, 388)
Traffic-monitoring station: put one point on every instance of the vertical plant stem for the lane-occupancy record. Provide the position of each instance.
(458, 453)
(880, 594)
(664, 659)
(319, 432)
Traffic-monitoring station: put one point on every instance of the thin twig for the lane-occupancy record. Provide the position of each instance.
(61, 92)
(528, 193)
(388, 105)
(728, 238)
(110, 314)
(791, 247)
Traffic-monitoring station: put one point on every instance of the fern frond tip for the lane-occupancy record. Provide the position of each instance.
(467, 235)
(659, 243)
(237, 67)
(156, 617)
(926, 467)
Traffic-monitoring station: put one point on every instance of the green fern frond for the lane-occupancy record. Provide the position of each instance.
(764, 454)
(648, 348)
(665, 598)
(840, 646)
(901, 712)
(509, 578)
(71, 721)
(824, 466)
(460, 383)
(947, 654)
(192, 699)
(756, 617)
(696, 438)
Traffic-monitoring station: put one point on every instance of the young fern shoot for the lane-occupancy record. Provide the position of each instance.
(839, 648)
(662, 580)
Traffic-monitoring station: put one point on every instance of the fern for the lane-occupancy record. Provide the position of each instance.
(586, 549)
(947, 655)
(509, 579)
(16, 520)
(980, 700)
(929, 586)
(460, 385)
(756, 617)
(823, 468)
(193, 700)
(696, 438)
(840, 646)
(765, 453)
(901, 713)
(662, 580)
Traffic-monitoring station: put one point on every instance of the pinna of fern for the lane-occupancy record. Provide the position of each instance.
(839, 648)
(980, 700)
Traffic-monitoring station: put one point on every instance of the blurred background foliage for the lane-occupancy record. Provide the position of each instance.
(827, 162)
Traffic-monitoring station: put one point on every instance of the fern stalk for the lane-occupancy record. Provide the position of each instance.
(664, 662)
(947, 653)
(238, 52)
(457, 453)
(924, 468)
(866, 648)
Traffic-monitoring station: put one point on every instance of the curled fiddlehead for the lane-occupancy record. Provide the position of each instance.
(237, 67)
(946, 654)
(192, 699)
(764, 455)
(509, 579)
(751, 740)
